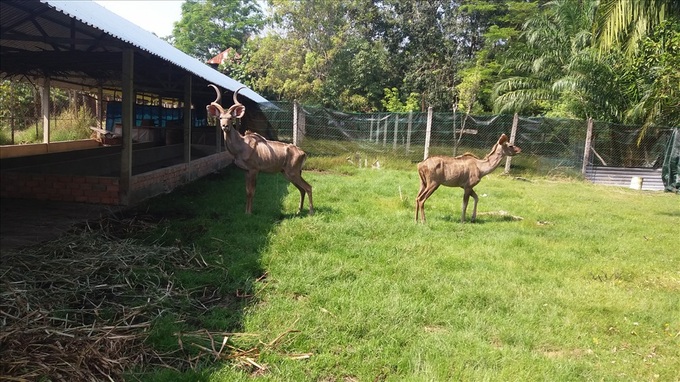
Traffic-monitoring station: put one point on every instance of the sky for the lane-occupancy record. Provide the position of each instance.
(155, 16)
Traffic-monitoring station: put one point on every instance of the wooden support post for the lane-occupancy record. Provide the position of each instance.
(588, 146)
(99, 106)
(187, 118)
(428, 133)
(159, 120)
(45, 106)
(128, 109)
(513, 133)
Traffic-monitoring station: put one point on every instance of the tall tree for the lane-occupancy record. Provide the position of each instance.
(419, 37)
(321, 52)
(500, 30)
(208, 27)
(648, 32)
(344, 53)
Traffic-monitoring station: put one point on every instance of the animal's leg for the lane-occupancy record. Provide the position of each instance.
(304, 188)
(466, 198)
(420, 192)
(251, 182)
(302, 197)
(309, 193)
(422, 197)
(474, 208)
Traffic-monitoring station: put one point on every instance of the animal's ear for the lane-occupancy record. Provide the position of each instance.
(212, 111)
(502, 139)
(238, 111)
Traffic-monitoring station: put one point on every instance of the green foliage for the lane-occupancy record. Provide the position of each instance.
(72, 125)
(468, 89)
(622, 24)
(613, 60)
(321, 54)
(20, 115)
(393, 103)
(68, 125)
(559, 69)
(342, 54)
(235, 66)
(209, 27)
(277, 72)
(16, 102)
(557, 72)
(657, 79)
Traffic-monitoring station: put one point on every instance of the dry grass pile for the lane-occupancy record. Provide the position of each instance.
(84, 306)
(80, 307)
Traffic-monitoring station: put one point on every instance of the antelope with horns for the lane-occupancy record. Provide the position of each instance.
(463, 171)
(254, 153)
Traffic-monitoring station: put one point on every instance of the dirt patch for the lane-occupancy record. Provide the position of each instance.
(26, 222)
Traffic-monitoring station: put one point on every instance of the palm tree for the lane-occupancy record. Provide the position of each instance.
(656, 94)
(627, 22)
(558, 71)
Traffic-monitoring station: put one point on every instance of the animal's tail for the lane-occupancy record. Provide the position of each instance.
(421, 173)
(303, 159)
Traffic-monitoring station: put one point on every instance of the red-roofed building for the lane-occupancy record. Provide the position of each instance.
(229, 54)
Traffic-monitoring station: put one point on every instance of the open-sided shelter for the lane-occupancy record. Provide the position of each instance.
(81, 45)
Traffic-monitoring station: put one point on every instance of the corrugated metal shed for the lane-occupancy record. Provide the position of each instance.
(79, 44)
(99, 17)
(622, 176)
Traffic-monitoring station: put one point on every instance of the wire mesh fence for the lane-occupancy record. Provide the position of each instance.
(625, 146)
(549, 145)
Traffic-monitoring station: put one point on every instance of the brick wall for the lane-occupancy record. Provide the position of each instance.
(68, 188)
(164, 180)
(106, 190)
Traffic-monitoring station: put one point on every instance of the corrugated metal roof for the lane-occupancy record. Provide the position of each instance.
(96, 16)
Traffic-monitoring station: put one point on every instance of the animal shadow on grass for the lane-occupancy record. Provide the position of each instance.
(223, 237)
(318, 211)
(671, 213)
(486, 217)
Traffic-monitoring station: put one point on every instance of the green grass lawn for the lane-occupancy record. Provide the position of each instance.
(558, 280)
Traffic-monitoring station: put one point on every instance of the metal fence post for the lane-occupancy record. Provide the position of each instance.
(513, 133)
(396, 129)
(302, 125)
(428, 132)
(385, 131)
(408, 131)
(295, 123)
(589, 141)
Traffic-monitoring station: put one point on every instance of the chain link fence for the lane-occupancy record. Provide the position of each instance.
(549, 146)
